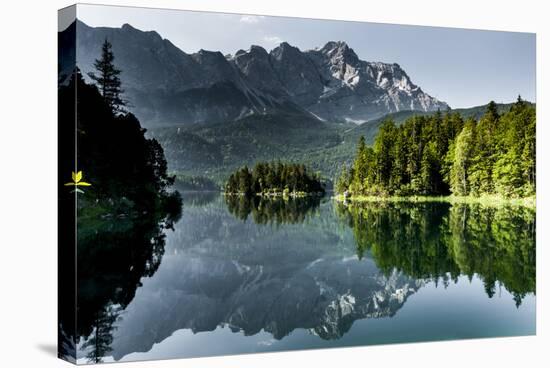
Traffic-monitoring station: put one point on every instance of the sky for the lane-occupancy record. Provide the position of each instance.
(462, 67)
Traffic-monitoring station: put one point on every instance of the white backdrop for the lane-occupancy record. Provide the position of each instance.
(28, 256)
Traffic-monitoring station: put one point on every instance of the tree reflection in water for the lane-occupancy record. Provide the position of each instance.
(273, 210)
(113, 255)
(407, 244)
(440, 242)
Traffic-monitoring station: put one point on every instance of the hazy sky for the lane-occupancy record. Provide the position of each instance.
(461, 67)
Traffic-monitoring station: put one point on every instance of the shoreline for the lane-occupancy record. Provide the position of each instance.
(276, 194)
(486, 200)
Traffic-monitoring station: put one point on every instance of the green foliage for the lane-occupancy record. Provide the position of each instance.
(462, 160)
(440, 154)
(270, 178)
(215, 150)
(514, 170)
(383, 154)
(439, 241)
(344, 179)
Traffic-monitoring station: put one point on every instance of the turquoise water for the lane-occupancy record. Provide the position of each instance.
(254, 276)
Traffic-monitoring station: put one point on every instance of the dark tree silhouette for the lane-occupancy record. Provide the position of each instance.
(107, 78)
(99, 342)
(121, 217)
(127, 178)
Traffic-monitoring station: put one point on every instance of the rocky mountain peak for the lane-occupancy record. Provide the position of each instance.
(258, 50)
(334, 45)
(255, 52)
(285, 45)
(167, 85)
(209, 58)
(127, 27)
(255, 65)
(285, 50)
(339, 51)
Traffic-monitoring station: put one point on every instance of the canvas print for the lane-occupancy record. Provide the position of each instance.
(235, 184)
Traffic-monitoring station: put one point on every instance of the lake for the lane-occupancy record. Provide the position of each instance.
(237, 275)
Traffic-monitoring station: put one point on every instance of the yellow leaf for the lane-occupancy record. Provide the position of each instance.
(73, 176)
(69, 184)
(78, 176)
(83, 183)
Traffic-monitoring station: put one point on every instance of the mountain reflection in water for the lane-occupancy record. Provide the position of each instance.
(284, 267)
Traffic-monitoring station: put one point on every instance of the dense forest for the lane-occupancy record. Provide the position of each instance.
(128, 172)
(444, 154)
(270, 178)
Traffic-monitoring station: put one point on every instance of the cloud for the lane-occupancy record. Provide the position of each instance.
(251, 19)
(273, 39)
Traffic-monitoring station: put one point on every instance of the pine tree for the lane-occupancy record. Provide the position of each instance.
(99, 343)
(413, 131)
(360, 168)
(107, 78)
(383, 150)
(343, 180)
(429, 171)
(514, 170)
(483, 160)
(245, 181)
(508, 175)
(399, 168)
(460, 181)
(492, 111)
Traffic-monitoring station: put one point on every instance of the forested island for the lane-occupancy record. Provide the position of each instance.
(443, 154)
(274, 179)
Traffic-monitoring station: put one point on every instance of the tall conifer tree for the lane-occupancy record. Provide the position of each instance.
(107, 78)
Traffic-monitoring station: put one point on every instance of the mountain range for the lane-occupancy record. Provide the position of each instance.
(213, 113)
(217, 149)
(166, 86)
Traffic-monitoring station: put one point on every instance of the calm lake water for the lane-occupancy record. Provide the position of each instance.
(242, 276)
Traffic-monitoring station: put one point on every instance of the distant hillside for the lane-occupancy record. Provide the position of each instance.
(477, 111)
(370, 128)
(215, 150)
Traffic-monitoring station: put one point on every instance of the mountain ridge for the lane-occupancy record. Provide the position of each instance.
(169, 86)
(214, 150)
